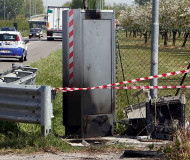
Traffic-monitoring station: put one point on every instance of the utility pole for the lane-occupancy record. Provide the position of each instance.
(85, 4)
(98, 4)
(8, 16)
(154, 47)
(35, 7)
(30, 9)
(15, 14)
(4, 9)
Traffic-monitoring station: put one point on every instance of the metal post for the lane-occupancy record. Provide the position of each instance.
(8, 16)
(85, 4)
(154, 46)
(35, 7)
(98, 4)
(4, 9)
(30, 9)
(15, 14)
(65, 44)
(46, 110)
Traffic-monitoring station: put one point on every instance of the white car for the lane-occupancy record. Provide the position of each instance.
(12, 45)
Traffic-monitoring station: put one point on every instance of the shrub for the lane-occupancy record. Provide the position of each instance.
(180, 147)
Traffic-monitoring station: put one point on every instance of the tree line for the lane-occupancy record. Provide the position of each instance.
(174, 17)
(11, 9)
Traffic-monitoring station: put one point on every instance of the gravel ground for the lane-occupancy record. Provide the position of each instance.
(71, 156)
(89, 156)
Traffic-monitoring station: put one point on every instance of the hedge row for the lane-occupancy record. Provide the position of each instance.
(22, 24)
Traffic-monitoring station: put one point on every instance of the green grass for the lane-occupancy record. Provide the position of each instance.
(24, 33)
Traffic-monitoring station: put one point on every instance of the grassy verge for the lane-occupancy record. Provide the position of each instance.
(24, 33)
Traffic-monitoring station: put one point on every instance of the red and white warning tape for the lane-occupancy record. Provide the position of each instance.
(112, 86)
(131, 87)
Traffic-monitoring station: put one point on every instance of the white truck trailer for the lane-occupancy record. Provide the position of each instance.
(54, 22)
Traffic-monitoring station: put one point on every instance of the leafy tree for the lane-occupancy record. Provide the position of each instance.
(118, 7)
(77, 4)
(91, 4)
(18, 7)
(67, 4)
(39, 7)
(12, 8)
(141, 2)
(174, 17)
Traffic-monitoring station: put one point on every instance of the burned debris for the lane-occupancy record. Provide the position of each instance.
(155, 118)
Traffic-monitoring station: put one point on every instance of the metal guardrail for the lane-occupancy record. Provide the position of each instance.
(39, 15)
(27, 104)
(19, 75)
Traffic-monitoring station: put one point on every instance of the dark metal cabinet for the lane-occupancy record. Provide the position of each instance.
(90, 113)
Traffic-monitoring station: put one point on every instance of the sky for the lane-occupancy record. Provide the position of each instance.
(61, 2)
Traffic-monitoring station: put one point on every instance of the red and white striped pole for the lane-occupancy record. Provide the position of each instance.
(71, 48)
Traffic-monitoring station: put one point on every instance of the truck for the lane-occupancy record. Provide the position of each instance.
(54, 22)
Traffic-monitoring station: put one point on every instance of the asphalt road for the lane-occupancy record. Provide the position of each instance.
(37, 49)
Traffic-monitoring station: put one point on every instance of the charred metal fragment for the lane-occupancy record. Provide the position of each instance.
(131, 153)
(92, 14)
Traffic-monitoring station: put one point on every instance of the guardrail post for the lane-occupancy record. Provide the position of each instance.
(46, 110)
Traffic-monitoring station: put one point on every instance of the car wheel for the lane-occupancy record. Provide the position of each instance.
(25, 57)
(50, 39)
(21, 59)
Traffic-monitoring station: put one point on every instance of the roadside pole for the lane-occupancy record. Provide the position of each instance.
(30, 9)
(154, 46)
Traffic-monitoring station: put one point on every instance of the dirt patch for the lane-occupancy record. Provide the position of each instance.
(94, 149)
